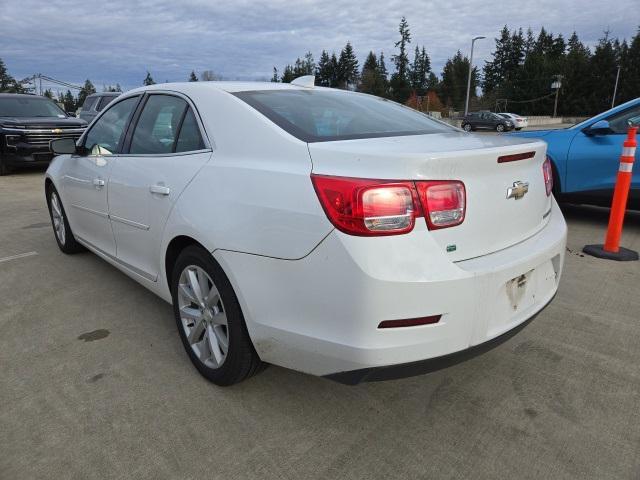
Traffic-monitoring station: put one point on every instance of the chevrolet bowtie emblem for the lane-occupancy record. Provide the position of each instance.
(518, 190)
(57, 130)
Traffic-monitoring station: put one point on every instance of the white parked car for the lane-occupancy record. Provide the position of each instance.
(327, 231)
(518, 121)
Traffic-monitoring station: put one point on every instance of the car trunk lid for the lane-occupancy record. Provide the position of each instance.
(493, 221)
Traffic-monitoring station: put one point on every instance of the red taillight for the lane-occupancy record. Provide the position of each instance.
(367, 207)
(444, 203)
(547, 172)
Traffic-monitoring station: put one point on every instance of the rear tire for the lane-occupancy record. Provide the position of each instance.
(210, 320)
(61, 229)
(500, 128)
(467, 127)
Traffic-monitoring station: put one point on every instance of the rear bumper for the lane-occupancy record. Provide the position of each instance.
(421, 367)
(320, 314)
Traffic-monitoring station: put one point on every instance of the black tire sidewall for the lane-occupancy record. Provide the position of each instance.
(241, 349)
(71, 245)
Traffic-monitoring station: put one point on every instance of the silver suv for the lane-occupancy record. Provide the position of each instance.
(95, 103)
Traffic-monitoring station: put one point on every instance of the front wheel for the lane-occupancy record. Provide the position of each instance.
(61, 229)
(467, 127)
(210, 321)
(499, 128)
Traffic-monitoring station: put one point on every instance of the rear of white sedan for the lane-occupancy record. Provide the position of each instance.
(444, 242)
(326, 231)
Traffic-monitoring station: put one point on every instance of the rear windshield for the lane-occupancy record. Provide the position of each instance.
(324, 115)
(29, 107)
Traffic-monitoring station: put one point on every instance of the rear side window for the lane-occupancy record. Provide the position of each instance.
(189, 138)
(324, 115)
(104, 101)
(157, 129)
(88, 103)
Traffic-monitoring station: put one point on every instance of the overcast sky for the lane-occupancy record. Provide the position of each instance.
(117, 41)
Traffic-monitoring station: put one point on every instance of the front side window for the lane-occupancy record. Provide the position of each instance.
(106, 134)
(29, 106)
(321, 115)
(621, 121)
(157, 129)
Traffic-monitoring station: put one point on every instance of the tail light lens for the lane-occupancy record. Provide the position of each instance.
(444, 203)
(547, 172)
(367, 207)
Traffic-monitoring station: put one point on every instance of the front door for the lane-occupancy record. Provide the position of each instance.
(85, 181)
(593, 160)
(166, 151)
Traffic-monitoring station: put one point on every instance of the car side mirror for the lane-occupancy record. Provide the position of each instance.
(601, 127)
(63, 146)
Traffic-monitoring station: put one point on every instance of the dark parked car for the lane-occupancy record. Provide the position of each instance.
(486, 120)
(95, 103)
(27, 124)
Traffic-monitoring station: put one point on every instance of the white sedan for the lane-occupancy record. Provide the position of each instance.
(518, 121)
(327, 231)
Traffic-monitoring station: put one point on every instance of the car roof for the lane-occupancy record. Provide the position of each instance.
(105, 94)
(226, 86)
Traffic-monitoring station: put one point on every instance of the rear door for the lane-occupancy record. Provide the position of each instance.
(84, 183)
(166, 147)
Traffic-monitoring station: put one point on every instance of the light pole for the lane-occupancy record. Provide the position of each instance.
(615, 88)
(466, 103)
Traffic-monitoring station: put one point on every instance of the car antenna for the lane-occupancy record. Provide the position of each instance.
(306, 81)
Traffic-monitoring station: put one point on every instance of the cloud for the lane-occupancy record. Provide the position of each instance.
(117, 41)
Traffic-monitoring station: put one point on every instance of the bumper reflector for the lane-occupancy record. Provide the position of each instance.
(410, 322)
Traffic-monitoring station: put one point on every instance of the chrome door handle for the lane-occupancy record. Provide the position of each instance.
(98, 182)
(160, 189)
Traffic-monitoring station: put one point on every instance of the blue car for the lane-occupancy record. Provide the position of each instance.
(586, 156)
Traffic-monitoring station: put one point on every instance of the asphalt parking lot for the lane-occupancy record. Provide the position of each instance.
(94, 383)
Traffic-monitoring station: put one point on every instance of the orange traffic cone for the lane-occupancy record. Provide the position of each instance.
(611, 248)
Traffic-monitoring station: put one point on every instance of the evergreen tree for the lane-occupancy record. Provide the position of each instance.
(576, 90)
(148, 80)
(335, 71)
(629, 81)
(371, 78)
(420, 69)
(193, 77)
(70, 103)
(347, 67)
(86, 90)
(48, 93)
(453, 87)
(288, 75)
(275, 78)
(400, 87)
(382, 68)
(324, 70)
(7, 83)
(604, 66)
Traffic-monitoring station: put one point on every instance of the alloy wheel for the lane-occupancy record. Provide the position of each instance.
(500, 128)
(58, 218)
(203, 316)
